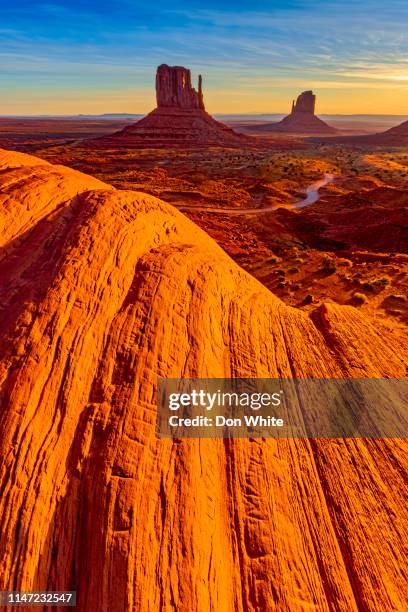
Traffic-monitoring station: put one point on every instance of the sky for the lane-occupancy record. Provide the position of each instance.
(77, 56)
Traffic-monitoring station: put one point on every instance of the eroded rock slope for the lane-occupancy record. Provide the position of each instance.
(102, 291)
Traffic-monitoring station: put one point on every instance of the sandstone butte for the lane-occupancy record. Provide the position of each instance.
(301, 120)
(180, 118)
(102, 292)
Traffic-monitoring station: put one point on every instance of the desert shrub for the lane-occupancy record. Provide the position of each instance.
(382, 282)
(359, 298)
(329, 264)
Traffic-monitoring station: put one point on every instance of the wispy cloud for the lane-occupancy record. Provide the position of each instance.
(332, 45)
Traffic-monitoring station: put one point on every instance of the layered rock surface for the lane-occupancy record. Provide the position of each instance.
(180, 118)
(102, 292)
(302, 118)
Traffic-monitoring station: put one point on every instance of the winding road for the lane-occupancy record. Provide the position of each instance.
(312, 196)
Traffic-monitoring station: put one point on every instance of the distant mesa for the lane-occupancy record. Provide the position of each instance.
(396, 136)
(302, 119)
(180, 118)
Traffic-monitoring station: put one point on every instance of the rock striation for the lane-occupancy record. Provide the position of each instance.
(179, 120)
(103, 291)
(302, 119)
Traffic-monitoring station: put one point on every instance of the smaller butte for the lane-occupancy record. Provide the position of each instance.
(302, 119)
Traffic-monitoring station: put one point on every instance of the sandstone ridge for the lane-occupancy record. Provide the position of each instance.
(179, 120)
(102, 292)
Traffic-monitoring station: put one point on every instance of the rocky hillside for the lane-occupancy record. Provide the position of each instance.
(102, 292)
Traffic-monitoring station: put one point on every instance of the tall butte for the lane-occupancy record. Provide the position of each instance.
(302, 119)
(180, 118)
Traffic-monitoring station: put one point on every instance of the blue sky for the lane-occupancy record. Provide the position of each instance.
(72, 57)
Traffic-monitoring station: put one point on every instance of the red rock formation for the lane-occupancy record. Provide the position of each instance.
(102, 292)
(174, 89)
(302, 119)
(179, 120)
(305, 103)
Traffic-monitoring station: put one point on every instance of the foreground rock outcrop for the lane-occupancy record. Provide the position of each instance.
(302, 119)
(179, 120)
(102, 292)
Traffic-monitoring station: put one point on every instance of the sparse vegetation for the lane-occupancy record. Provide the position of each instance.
(329, 264)
(359, 298)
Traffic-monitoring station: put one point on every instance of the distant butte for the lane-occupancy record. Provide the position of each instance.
(302, 119)
(180, 118)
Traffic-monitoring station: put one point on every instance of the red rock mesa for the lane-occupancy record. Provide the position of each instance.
(302, 119)
(102, 292)
(180, 118)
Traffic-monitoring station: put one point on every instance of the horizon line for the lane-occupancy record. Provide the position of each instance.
(251, 113)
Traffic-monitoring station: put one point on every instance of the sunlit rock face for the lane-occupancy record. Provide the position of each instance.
(103, 291)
